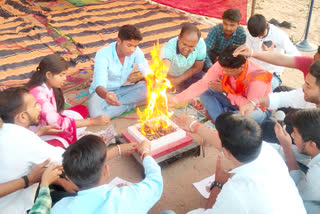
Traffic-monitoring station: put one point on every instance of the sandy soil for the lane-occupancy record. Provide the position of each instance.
(179, 194)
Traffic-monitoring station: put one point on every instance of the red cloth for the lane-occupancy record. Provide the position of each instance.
(211, 8)
(81, 109)
(55, 143)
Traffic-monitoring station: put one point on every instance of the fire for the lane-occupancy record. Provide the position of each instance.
(157, 106)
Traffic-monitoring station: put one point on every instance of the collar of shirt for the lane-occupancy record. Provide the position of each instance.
(314, 160)
(92, 191)
(47, 88)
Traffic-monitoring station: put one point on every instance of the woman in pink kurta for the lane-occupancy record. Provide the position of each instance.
(45, 85)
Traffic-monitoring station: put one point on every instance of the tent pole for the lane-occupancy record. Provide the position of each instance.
(253, 5)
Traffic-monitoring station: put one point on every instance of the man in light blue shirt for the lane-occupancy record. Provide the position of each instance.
(184, 55)
(119, 69)
(85, 163)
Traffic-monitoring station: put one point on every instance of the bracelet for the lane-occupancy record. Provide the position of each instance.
(196, 128)
(192, 124)
(119, 150)
(216, 184)
(253, 103)
(26, 181)
(91, 121)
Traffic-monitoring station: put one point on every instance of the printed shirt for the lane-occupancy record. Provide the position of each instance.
(179, 63)
(216, 38)
(43, 202)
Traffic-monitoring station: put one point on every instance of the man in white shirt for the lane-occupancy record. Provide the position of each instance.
(265, 36)
(21, 149)
(306, 136)
(306, 97)
(260, 182)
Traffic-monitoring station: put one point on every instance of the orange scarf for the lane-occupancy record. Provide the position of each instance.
(243, 81)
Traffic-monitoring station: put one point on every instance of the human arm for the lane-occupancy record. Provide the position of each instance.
(196, 68)
(200, 86)
(142, 196)
(256, 89)
(271, 57)
(43, 201)
(286, 144)
(210, 136)
(121, 150)
(33, 177)
(108, 96)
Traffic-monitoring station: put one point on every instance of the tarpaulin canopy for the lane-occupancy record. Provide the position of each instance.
(211, 8)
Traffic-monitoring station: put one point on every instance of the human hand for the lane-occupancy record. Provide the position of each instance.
(243, 50)
(111, 99)
(51, 129)
(184, 121)
(135, 75)
(67, 185)
(101, 120)
(216, 85)
(282, 135)
(127, 148)
(35, 175)
(221, 175)
(174, 80)
(266, 48)
(51, 174)
(247, 109)
(172, 101)
(144, 149)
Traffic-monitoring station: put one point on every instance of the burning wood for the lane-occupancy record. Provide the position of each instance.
(161, 131)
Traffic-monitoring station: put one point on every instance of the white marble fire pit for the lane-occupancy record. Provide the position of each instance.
(161, 141)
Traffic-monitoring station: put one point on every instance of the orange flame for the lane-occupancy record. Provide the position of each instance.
(157, 85)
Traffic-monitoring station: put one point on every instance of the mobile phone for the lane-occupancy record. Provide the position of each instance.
(267, 43)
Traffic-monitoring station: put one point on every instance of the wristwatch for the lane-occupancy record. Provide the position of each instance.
(216, 184)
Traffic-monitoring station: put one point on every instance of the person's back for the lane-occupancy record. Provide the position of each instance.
(85, 164)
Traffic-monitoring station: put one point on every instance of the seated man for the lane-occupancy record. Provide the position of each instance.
(306, 137)
(119, 63)
(259, 183)
(306, 97)
(85, 163)
(184, 55)
(21, 150)
(240, 79)
(267, 37)
(222, 35)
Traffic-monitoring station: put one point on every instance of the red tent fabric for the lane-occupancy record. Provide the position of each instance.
(211, 8)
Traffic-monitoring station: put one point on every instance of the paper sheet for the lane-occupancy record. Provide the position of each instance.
(203, 186)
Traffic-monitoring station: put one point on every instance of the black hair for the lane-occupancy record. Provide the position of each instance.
(232, 14)
(84, 160)
(307, 122)
(240, 135)
(12, 103)
(226, 59)
(188, 27)
(257, 25)
(314, 70)
(51, 63)
(319, 49)
(129, 32)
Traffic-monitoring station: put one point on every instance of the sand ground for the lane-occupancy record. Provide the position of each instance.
(179, 194)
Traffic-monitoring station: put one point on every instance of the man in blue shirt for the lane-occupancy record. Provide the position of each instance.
(223, 35)
(118, 71)
(85, 163)
(184, 55)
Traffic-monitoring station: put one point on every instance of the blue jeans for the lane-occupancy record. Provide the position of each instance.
(275, 81)
(127, 95)
(216, 103)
